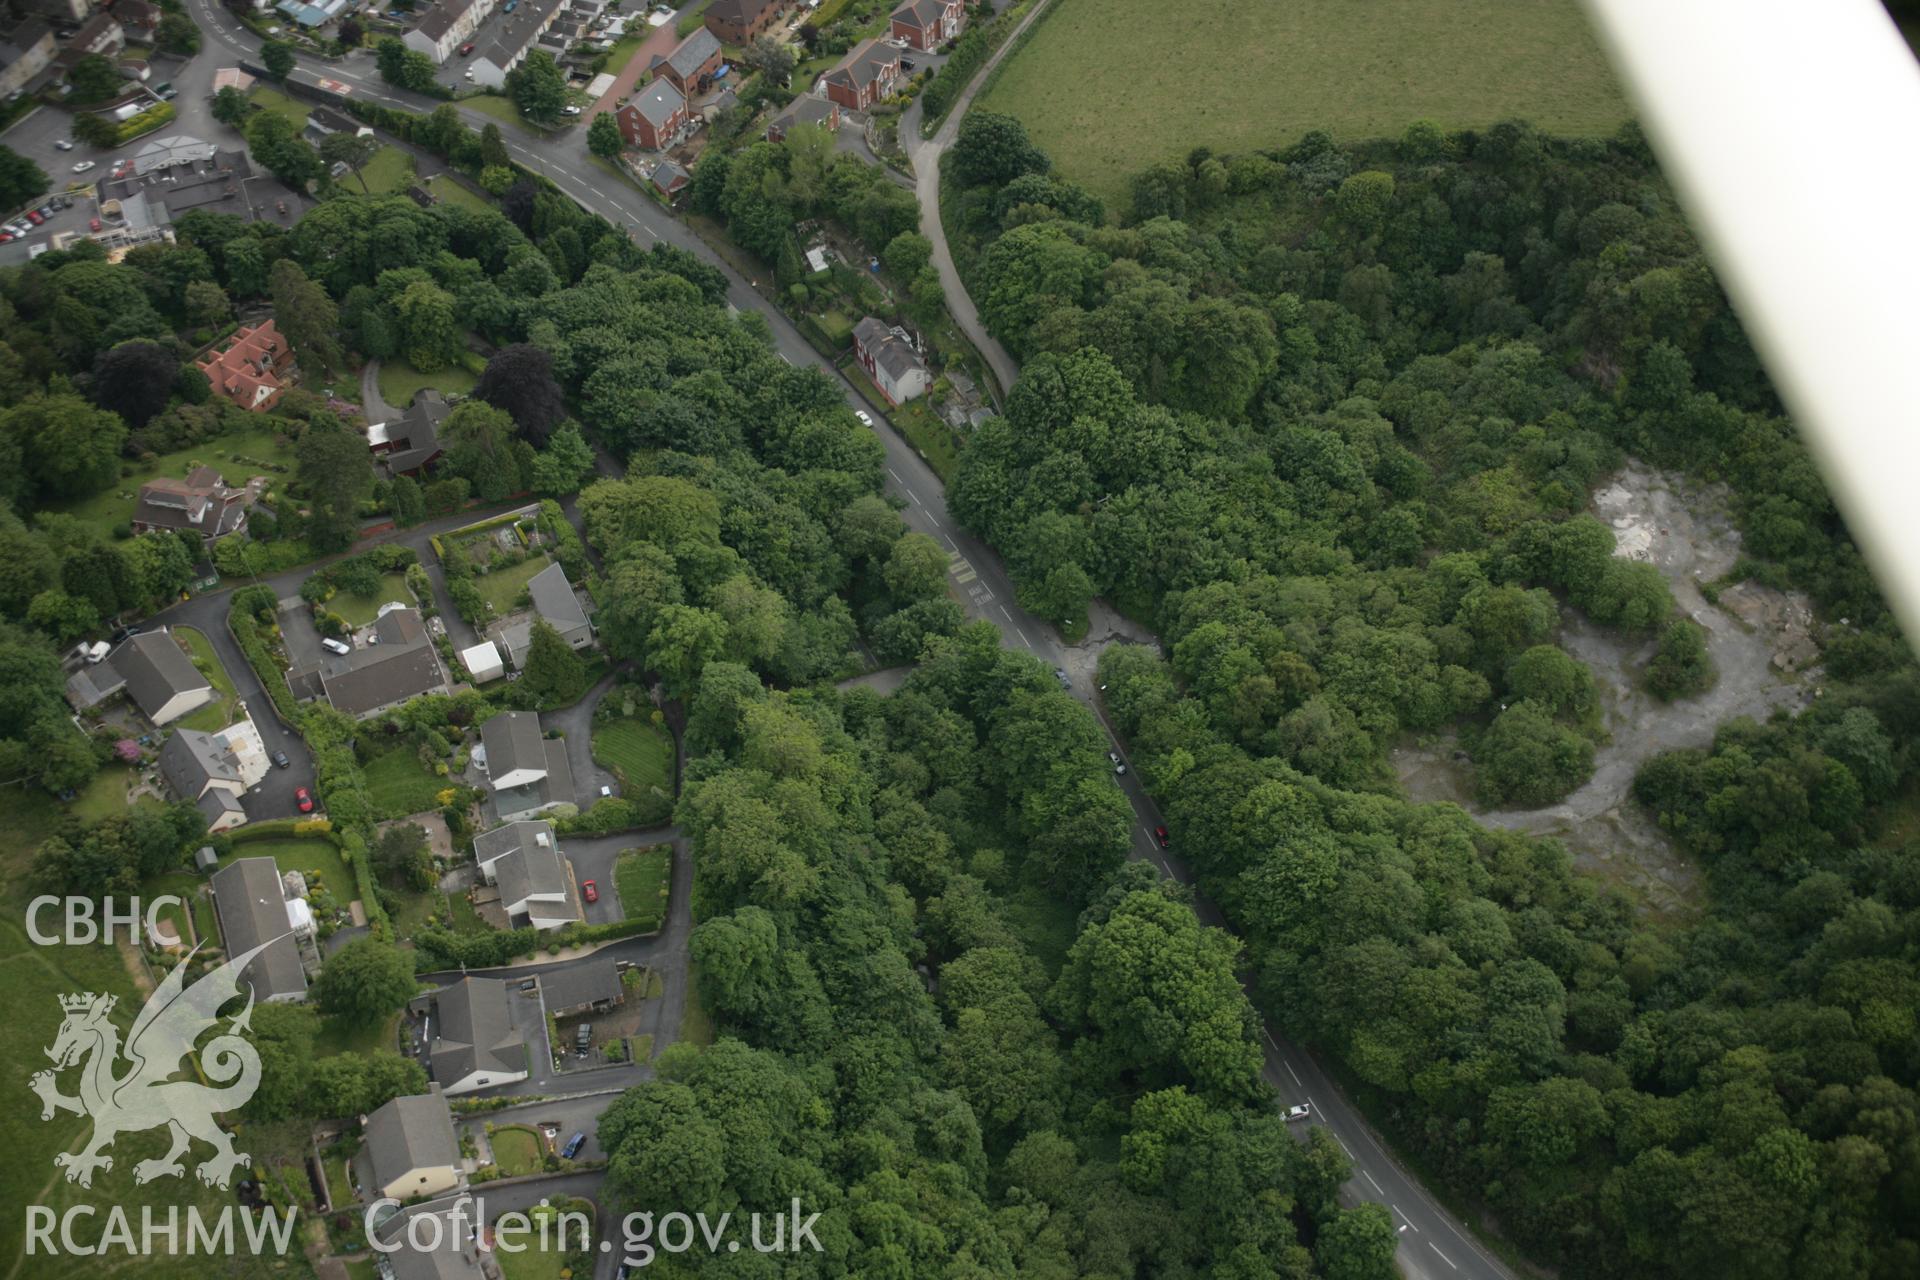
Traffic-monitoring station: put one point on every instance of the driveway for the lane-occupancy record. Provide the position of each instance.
(575, 725)
(593, 859)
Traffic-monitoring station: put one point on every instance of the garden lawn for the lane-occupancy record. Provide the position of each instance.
(360, 611)
(400, 785)
(306, 856)
(339, 1187)
(517, 1150)
(187, 887)
(225, 707)
(337, 1035)
(113, 508)
(503, 110)
(502, 587)
(641, 878)
(639, 752)
(105, 796)
(449, 191)
(1110, 87)
(399, 381)
(279, 104)
(388, 173)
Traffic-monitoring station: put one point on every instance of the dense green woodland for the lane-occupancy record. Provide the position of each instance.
(1329, 419)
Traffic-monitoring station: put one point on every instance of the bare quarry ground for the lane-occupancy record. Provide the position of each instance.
(1762, 648)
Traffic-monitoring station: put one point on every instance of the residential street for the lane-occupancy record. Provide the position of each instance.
(1434, 1245)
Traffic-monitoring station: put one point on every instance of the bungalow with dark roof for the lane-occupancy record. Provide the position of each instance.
(412, 1151)
(203, 504)
(251, 903)
(472, 1042)
(654, 116)
(928, 24)
(527, 772)
(691, 64)
(149, 668)
(252, 369)
(591, 986)
(536, 884)
(213, 770)
(556, 603)
(805, 109)
(669, 179)
(865, 76)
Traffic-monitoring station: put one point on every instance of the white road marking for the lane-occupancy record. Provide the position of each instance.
(1005, 614)
(911, 495)
(931, 519)
(1396, 1209)
(896, 476)
(650, 231)
(1371, 1182)
(1292, 1072)
(597, 191)
(1343, 1145)
(1443, 1257)
(1023, 637)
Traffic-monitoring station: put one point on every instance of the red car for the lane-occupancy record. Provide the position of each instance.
(34, 216)
(303, 800)
(590, 891)
(1160, 834)
(93, 224)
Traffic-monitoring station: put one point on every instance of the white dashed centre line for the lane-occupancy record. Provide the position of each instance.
(911, 495)
(1371, 1182)
(1005, 614)
(1292, 1072)
(896, 476)
(1443, 1257)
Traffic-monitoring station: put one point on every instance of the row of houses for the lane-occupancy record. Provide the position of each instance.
(492, 36)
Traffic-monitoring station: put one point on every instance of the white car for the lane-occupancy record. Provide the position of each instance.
(866, 419)
(62, 145)
(83, 166)
(337, 646)
(569, 111)
(1119, 765)
(1300, 1112)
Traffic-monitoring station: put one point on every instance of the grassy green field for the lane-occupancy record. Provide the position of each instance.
(106, 795)
(278, 103)
(1109, 87)
(399, 784)
(36, 978)
(224, 708)
(641, 877)
(390, 171)
(516, 1150)
(113, 507)
(359, 611)
(450, 191)
(400, 380)
(502, 587)
(639, 753)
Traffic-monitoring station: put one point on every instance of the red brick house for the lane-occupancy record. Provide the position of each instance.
(692, 63)
(653, 116)
(928, 24)
(864, 76)
(253, 369)
(737, 22)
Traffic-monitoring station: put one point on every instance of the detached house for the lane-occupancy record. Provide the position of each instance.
(865, 76)
(152, 670)
(410, 443)
(653, 116)
(472, 1042)
(213, 770)
(890, 360)
(25, 52)
(928, 24)
(691, 64)
(805, 109)
(536, 886)
(526, 772)
(398, 662)
(251, 902)
(412, 1152)
(555, 603)
(203, 503)
(253, 369)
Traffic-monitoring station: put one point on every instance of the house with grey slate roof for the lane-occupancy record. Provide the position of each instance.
(213, 770)
(472, 1042)
(411, 1148)
(536, 884)
(152, 670)
(589, 986)
(654, 117)
(450, 1251)
(691, 64)
(555, 602)
(527, 772)
(411, 442)
(397, 662)
(889, 357)
(251, 903)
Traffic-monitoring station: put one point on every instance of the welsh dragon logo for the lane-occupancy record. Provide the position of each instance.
(146, 1096)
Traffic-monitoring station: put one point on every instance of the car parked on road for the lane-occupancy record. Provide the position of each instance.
(1060, 674)
(1160, 835)
(93, 224)
(1119, 765)
(280, 760)
(83, 166)
(36, 217)
(466, 49)
(63, 144)
(1300, 1112)
(590, 891)
(573, 1146)
(303, 800)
